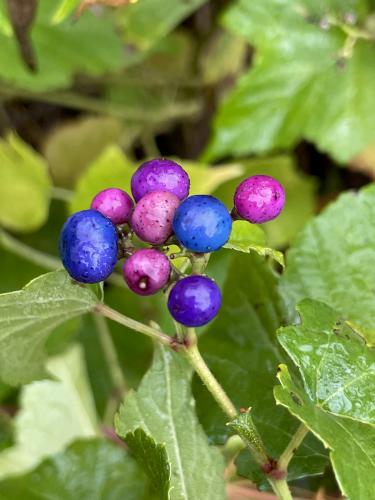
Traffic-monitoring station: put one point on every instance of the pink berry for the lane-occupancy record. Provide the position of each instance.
(146, 271)
(259, 199)
(153, 217)
(115, 204)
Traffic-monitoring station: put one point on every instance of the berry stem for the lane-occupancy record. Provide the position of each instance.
(199, 262)
(294, 443)
(132, 324)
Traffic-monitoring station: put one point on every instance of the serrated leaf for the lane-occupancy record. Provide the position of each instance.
(147, 21)
(241, 348)
(246, 237)
(62, 50)
(337, 367)
(73, 146)
(164, 408)
(299, 190)
(27, 318)
(351, 443)
(94, 468)
(24, 186)
(333, 260)
(302, 84)
(153, 458)
(53, 414)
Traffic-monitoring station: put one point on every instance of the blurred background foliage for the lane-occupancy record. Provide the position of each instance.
(229, 89)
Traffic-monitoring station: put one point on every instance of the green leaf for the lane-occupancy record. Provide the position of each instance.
(73, 146)
(110, 169)
(24, 186)
(333, 260)
(246, 237)
(27, 318)
(94, 468)
(351, 443)
(164, 407)
(53, 413)
(337, 367)
(303, 82)
(241, 348)
(299, 190)
(147, 21)
(153, 458)
(62, 51)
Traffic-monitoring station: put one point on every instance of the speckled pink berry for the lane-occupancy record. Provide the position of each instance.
(153, 216)
(160, 175)
(146, 271)
(259, 199)
(115, 204)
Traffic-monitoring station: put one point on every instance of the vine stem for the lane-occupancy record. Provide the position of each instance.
(137, 326)
(294, 443)
(197, 362)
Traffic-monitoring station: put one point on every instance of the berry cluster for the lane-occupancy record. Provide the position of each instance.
(93, 240)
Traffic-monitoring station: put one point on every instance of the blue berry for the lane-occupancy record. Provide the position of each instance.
(202, 224)
(194, 301)
(89, 246)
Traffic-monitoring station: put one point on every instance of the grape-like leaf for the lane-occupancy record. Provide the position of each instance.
(92, 468)
(246, 237)
(24, 186)
(337, 367)
(240, 347)
(61, 50)
(164, 408)
(304, 83)
(27, 318)
(333, 260)
(351, 443)
(154, 460)
(53, 413)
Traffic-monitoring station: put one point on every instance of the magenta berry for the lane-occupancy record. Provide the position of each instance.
(259, 199)
(160, 175)
(153, 216)
(146, 271)
(194, 301)
(115, 204)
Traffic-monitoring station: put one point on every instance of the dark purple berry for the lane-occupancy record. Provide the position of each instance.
(153, 216)
(146, 271)
(194, 301)
(88, 246)
(115, 204)
(202, 224)
(259, 199)
(160, 175)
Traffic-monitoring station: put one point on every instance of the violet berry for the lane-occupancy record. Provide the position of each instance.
(146, 271)
(194, 301)
(259, 199)
(160, 175)
(115, 204)
(153, 217)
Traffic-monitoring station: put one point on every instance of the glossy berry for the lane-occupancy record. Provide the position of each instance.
(160, 175)
(88, 246)
(115, 204)
(202, 223)
(153, 216)
(259, 199)
(146, 271)
(194, 301)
